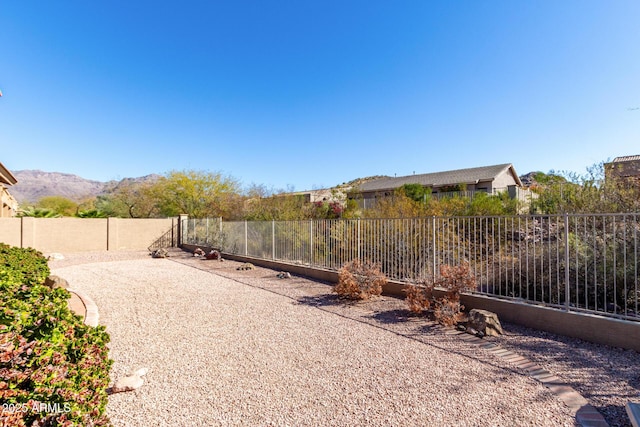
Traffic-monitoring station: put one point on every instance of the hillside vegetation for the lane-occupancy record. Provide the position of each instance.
(201, 194)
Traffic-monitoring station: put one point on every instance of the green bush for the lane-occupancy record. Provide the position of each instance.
(54, 369)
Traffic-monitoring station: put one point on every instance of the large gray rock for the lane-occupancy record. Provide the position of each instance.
(485, 321)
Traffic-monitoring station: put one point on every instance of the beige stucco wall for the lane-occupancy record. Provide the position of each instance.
(83, 234)
(128, 233)
(65, 234)
(10, 231)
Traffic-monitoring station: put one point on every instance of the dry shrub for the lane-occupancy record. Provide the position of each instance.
(360, 280)
(456, 279)
(446, 310)
(419, 297)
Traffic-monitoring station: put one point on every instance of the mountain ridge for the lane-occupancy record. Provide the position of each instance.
(33, 184)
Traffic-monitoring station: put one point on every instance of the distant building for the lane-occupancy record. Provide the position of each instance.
(320, 195)
(626, 167)
(466, 182)
(9, 203)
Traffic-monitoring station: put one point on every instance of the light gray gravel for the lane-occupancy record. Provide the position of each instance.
(223, 351)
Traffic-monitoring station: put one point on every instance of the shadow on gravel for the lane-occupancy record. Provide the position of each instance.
(430, 328)
(391, 317)
(325, 300)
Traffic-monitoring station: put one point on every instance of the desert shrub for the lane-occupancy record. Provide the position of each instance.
(419, 297)
(54, 369)
(447, 310)
(360, 280)
(455, 280)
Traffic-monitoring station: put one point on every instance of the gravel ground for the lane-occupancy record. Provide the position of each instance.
(228, 347)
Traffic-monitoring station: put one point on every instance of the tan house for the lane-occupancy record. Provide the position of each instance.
(487, 179)
(9, 205)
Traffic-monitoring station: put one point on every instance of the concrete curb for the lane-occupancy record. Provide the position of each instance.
(90, 308)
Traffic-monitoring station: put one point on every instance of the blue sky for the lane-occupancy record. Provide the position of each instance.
(310, 94)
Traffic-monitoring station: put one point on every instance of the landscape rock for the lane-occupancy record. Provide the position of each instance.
(246, 266)
(160, 253)
(128, 383)
(485, 322)
(55, 256)
(213, 255)
(198, 252)
(56, 282)
(284, 275)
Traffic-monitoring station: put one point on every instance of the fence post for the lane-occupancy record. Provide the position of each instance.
(173, 237)
(182, 228)
(358, 238)
(246, 239)
(310, 242)
(273, 239)
(221, 239)
(433, 245)
(566, 262)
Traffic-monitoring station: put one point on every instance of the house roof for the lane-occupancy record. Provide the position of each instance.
(6, 177)
(439, 179)
(626, 158)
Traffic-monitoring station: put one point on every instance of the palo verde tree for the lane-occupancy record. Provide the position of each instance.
(198, 194)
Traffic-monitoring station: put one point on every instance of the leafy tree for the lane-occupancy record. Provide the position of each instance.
(58, 204)
(198, 194)
(131, 200)
(416, 192)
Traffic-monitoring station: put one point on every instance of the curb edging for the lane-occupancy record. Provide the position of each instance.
(91, 316)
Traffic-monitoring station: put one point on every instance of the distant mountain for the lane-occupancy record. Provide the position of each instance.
(35, 184)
